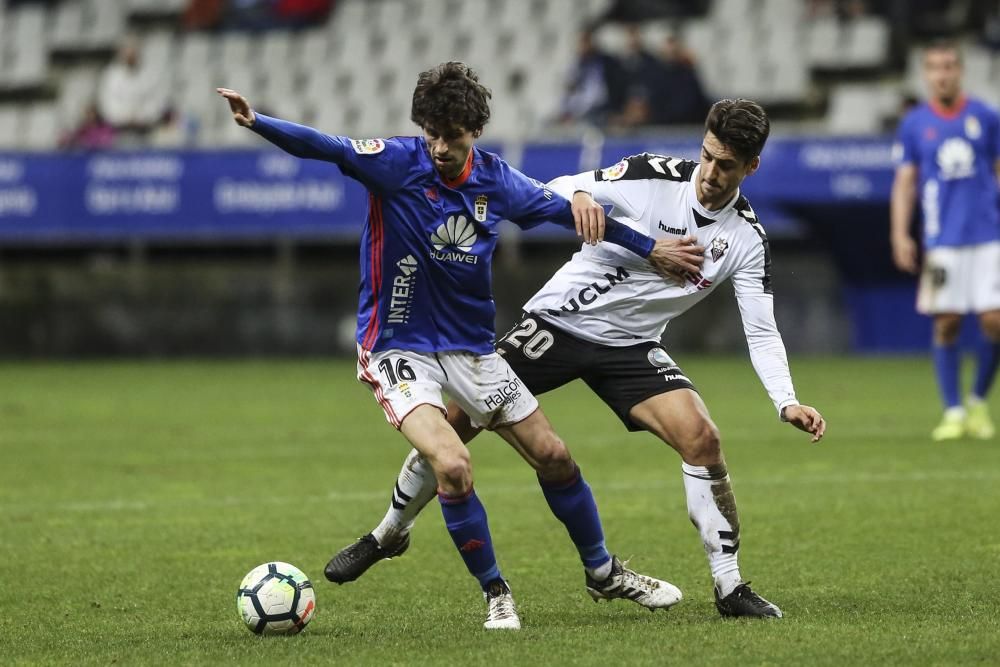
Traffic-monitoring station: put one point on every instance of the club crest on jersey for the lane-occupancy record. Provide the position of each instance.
(658, 357)
(719, 247)
(480, 213)
(973, 130)
(614, 172)
(368, 146)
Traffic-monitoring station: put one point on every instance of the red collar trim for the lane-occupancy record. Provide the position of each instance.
(948, 113)
(462, 177)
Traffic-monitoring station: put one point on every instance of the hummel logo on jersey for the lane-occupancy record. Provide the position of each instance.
(457, 233)
(719, 247)
(673, 230)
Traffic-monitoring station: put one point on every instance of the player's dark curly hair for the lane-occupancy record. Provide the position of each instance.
(450, 96)
(741, 125)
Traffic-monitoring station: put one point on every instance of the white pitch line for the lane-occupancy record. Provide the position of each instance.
(139, 505)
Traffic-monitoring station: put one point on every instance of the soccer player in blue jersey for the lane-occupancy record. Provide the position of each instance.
(425, 318)
(949, 149)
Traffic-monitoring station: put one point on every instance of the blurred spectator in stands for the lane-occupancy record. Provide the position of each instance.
(641, 71)
(131, 98)
(295, 13)
(594, 86)
(634, 11)
(92, 134)
(991, 25)
(844, 10)
(679, 96)
(203, 14)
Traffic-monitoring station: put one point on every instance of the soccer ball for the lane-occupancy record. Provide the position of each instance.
(276, 599)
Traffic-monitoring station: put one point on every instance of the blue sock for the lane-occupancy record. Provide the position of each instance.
(465, 518)
(988, 354)
(573, 503)
(946, 360)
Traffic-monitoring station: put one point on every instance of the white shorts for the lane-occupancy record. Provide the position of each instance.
(960, 280)
(484, 386)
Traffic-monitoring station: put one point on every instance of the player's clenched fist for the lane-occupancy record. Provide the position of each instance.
(242, 113)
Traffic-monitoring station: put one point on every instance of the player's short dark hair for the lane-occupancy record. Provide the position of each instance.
(450, 96)
(944, 45)
(741, 125)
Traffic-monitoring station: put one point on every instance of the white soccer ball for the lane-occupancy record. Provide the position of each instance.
(276, 599)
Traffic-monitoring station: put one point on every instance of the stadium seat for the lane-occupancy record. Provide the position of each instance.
(77, 90)
(10, 126)
(860, 108)
(40, 125)
(103, 23)
(25, 54)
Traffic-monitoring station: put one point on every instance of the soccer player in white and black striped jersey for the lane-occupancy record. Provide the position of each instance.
(600, 318)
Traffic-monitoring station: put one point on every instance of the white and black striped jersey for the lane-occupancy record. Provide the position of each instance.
(611, 297)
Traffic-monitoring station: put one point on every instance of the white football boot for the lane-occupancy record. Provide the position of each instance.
(501, 613)
(624, 583)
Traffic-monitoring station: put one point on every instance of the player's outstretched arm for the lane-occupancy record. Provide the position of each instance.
(805, 418)
(298, 140)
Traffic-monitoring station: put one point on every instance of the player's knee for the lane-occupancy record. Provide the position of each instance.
(990, 325)
(946, 329)
(704, 446)
(454, 471)
(554, 462)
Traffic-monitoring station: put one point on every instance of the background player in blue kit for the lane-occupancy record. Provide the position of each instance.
(426, 314)
(951, 146)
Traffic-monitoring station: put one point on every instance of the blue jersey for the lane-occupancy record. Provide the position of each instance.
(428, 242)
(955, 154)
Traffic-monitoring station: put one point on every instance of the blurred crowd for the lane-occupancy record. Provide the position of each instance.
(635, 89)
(643, 84)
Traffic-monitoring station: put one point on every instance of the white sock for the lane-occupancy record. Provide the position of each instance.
(601, 572)
(712, 508)
(957, 412)
(414, 488)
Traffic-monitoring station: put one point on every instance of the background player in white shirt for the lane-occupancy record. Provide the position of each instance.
(600, 319)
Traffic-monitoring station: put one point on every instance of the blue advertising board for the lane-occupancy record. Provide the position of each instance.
(266, 194)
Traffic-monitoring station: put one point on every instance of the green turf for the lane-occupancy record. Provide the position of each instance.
(134, 497)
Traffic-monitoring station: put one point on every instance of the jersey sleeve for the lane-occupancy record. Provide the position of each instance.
(767, 351)
(629, 197)
(906, 149)
(994, 139)
(380, 164)
(532, 203)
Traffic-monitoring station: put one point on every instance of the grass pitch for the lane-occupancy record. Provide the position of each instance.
(135, 496)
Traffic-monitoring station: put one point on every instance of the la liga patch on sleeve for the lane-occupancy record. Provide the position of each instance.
(368, 146)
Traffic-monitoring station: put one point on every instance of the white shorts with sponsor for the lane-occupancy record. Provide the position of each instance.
(963, 279)
(484, 385)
